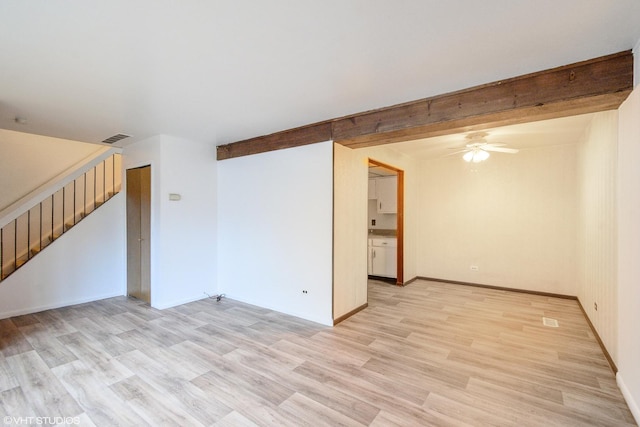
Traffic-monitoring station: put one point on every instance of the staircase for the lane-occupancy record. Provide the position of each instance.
(32, 231)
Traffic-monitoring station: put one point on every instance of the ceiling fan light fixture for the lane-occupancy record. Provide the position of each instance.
(480, 156)
(477, 155)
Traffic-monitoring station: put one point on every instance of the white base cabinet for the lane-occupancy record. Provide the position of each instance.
(382, 259)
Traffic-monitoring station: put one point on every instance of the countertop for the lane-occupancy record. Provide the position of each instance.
(379, 232)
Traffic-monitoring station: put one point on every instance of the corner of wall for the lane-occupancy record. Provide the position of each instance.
(187, 168)
(628, 248)
(597, 276)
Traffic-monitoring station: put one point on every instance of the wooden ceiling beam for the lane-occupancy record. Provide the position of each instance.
(598, 84)
(305, 135)
(595, 85)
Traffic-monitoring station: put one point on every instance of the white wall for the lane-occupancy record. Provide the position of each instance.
(597, 226)
(512, 216)
(85, 264)
(28, 161)
(188, 249)
(628, 252)
(183, 233)
(349, 230)
(275, 230)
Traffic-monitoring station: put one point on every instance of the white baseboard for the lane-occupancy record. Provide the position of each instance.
(38, 309)
(165, 305)
(633, 405)
(305, 316)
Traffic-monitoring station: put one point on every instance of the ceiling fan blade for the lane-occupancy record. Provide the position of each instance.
(501, 149)
(457, 152)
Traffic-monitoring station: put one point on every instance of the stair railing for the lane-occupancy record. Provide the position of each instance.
(31, 232)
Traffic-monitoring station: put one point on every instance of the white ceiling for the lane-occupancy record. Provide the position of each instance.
(225, 70)
(568, 130)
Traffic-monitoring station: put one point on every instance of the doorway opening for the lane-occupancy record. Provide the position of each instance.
(386, 187)
(139, 233)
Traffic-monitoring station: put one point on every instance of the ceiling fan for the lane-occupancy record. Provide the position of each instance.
(477, 148)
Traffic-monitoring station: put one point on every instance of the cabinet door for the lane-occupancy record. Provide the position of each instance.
(372, 189)
(378, 261)
(370, 261)
(387, 194)
(391, 262)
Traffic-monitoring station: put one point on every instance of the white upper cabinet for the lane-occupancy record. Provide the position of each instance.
(387, 194)
(372, 189)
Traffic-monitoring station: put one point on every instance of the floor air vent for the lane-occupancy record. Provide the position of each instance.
(115, 138)
(552, 323)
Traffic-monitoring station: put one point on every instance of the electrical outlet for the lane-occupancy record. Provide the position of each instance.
(474, 268)
(304, 291)
(595, 306)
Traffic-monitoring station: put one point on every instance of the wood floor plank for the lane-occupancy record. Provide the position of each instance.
(311, 354)
(206, 408)
(373, 387)
(267, 415)
(234, 419)
(245, 401)
(227, 336)
(206, 355)
(186, 368)
(270, 364)
(609, 414)
(25, 320)
(151, 404)
(97, 400)
(391, 346)
(52, 351)
(44, 392)
(177, 323)
(265, 359)
(12, 341)
(55, 323)
(399, 417)
(103, 333)
(96, 357)
(429, 376)
(461, 404)
(552, 413)
(7, 380)
(258, 385)
(305, 408)
(145, 337)
(14, 403)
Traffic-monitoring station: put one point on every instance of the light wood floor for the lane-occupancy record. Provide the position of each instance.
(427, 354)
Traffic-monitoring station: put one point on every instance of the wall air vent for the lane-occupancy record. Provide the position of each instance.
(115, 138)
